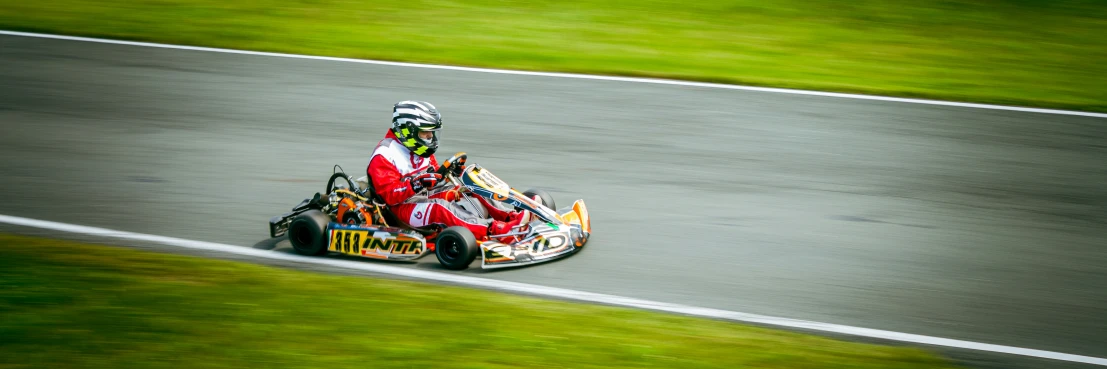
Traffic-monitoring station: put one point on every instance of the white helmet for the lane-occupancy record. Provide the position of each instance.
(411, 117)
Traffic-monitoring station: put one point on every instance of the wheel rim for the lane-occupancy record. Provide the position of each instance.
(303, 237)
(450, 248)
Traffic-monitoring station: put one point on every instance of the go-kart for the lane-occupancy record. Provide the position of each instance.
(350, 218)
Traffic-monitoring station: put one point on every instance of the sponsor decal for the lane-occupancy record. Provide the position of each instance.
(547, 243)
(359, 242)
(542, 248)
(419, 214)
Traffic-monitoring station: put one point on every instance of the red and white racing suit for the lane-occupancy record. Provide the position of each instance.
(391, 167)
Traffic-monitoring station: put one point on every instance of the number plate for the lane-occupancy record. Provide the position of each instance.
(363, 243)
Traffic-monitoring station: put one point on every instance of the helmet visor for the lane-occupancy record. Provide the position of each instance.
(429, 137)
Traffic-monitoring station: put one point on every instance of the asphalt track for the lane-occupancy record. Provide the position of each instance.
(954, 222)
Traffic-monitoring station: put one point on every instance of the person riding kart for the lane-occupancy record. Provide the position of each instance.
(404, 173)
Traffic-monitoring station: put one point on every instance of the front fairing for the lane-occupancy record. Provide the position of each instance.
(485, 184)
(555, 234)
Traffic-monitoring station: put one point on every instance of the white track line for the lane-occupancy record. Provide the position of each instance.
(565, 75)
(551, 291)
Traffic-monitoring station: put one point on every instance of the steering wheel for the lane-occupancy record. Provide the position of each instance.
(340, 181)
(458, 160)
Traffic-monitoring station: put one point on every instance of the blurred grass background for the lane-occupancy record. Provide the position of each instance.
(1016, 52)
(68, 305)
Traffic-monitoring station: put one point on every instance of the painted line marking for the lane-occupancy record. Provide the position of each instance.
(552, 291)
(565, 75)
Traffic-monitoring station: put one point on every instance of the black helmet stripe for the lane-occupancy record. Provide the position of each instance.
(420, 114)
(415, 105)
(413, 114)
(413, 108)
(419, 105)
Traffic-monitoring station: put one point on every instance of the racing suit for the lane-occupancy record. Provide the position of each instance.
(392, 166)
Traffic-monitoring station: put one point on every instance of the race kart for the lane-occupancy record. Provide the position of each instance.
(350, 218)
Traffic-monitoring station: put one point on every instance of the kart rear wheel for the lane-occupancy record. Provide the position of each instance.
(308, 233)
(456, 248)
(544, 196)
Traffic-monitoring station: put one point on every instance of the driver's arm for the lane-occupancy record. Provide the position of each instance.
(388, 182)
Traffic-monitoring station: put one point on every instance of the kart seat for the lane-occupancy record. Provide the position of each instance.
(366, 183)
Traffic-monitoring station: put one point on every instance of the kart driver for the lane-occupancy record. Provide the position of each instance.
(403, 171)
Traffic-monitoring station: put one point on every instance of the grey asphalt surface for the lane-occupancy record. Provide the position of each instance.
(972, 224)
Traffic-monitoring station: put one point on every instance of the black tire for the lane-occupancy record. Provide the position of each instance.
(308, 233)
(456, 248)
(546, 198)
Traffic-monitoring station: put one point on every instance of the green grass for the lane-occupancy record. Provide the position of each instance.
(67, 305)
(1017, 52)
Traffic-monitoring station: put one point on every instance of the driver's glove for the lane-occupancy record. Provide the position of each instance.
(424, 181)
(459, 165)
(453, 166)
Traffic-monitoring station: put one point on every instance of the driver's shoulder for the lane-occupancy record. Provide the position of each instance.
(390, 149)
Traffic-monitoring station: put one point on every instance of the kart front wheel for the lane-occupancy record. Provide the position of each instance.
(544, 196)
(308, 233)
(456, 248)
